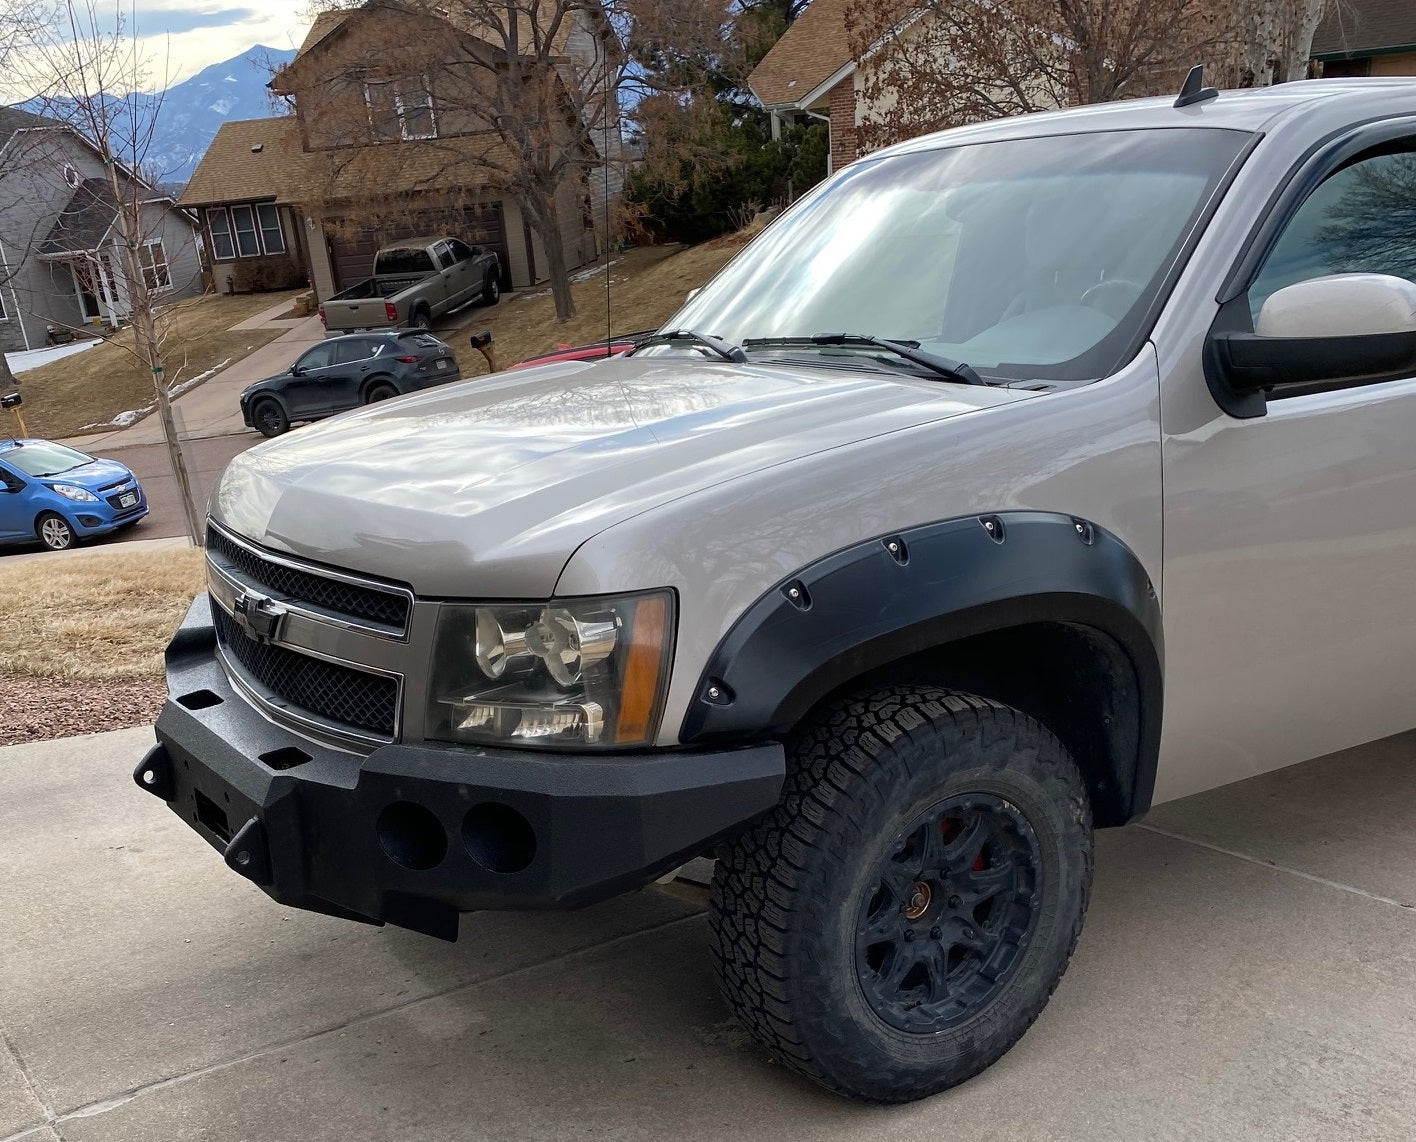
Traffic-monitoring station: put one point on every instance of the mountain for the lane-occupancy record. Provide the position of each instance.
(192, 110)
(189, 113)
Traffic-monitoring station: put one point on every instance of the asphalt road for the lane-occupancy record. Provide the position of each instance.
(206, 459)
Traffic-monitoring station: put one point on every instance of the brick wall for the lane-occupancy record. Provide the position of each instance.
(844, 148)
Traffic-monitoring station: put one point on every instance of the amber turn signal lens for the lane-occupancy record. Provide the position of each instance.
(643, 669)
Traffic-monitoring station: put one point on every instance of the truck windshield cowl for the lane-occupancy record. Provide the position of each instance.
(1036, 258)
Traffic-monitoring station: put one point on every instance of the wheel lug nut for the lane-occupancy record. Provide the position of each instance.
(955, 902)
(935, 934)
(969, 933)
(909, 935)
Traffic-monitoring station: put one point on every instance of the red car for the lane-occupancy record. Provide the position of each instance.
(610, 348)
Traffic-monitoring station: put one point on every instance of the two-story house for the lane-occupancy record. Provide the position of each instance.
(60, 247)
(391, 137)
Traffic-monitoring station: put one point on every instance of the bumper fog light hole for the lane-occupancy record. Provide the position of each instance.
(411, 836)
(498, 837)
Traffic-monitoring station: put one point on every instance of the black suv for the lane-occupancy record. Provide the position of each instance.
(346, 372)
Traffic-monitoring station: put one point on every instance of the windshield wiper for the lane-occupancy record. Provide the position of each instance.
(724, 349)
(909, 350)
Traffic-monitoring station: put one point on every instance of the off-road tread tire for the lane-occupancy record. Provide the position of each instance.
(767, 907)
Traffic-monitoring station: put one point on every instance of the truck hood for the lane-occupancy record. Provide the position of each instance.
(485, 488)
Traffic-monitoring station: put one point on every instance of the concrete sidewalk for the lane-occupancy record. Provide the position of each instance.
(1246, 974)
(212, 408)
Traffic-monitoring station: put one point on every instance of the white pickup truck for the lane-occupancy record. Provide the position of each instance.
(414, 281)
(1016, 479)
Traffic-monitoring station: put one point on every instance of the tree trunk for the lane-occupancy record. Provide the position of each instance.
(545, 221)
(7, 378)
(149, 346)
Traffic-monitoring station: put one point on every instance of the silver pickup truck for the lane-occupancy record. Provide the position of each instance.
(414, 281)
(1016, 479)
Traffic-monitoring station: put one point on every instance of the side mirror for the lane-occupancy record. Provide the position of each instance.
(297, 370)
(1325, 333)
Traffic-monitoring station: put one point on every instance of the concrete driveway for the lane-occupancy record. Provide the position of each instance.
(1248, 972)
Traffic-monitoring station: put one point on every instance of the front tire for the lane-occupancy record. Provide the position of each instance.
(491, 290)
(55, 532)
(901, 918)
(269, 417)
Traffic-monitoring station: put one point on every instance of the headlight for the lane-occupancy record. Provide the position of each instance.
(569, 674)
(69, 492)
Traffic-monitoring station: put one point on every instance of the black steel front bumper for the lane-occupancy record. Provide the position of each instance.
(415, 835)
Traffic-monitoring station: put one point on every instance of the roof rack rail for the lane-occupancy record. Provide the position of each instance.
(1194, 90)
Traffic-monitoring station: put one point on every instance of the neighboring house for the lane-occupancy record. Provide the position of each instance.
(810, 73)
(60, 253)
(1367, 37)
(255, 232)
(384, 144)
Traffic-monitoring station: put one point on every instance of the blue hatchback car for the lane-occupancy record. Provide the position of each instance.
(60, 495)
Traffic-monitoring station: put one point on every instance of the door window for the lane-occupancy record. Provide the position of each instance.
(356, 349)
(1362, 219)
(461, 251)
(317, 358)
(12, 482)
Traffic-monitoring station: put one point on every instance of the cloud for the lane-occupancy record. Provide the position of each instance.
(189, 19)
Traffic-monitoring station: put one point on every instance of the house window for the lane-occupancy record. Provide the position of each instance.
(272, 239)
(243, 221)
(222, 247)
(153, 259)
(401, 108)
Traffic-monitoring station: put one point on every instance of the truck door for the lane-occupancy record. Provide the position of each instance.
(1290, 536)
(467, 282)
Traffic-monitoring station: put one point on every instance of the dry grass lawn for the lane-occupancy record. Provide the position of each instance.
(647, 285)
(93, 387)
(95, 616)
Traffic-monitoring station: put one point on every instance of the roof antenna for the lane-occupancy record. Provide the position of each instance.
(1194, 89)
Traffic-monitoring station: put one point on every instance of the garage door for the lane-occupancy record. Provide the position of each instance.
(352, 249)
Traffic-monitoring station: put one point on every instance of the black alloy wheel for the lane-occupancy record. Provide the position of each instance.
(380, 390)
(952, 909)
(269, 417)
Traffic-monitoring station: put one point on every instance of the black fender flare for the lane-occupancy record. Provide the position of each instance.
(900, 594)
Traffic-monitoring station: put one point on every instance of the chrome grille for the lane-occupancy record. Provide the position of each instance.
(329, 691)
(367, 603)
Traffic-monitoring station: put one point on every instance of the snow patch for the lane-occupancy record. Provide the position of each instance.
(594, 271)
(222, 106)
(27, 359)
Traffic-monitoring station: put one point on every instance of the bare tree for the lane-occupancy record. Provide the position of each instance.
(939, 63)
(1278, 37)
(89, 73)
(517, 96)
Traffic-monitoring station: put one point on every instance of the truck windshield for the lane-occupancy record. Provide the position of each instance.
(404, 261)
(1032, 258)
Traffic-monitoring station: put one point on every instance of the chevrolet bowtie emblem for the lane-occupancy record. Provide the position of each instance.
(258, 615)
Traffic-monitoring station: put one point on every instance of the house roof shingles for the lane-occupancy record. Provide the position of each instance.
(231, 171)
(812, 50)
(85, 220)
(1365, 27)
(14, 119)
